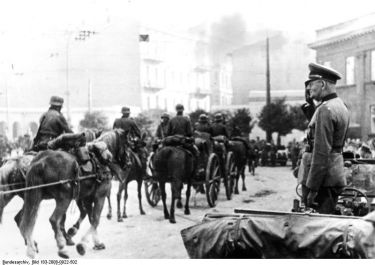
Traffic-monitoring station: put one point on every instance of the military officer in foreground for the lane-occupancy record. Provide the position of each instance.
(327, 131)
(52, 124)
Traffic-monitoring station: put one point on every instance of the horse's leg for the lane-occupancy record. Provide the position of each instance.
(67, 237)
(174, 188)
(237, 180)
(243, 179)
(163, 198)
(55, 220)
(188, 190)
(82, 214)
(109, 214)
(119, 192)
(18, 219)
(140, 180)
(125, 199)
(4, 200)
(81, 246)
(98, 207)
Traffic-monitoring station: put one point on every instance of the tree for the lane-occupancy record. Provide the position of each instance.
(94, 120)
(276, 117)
(241, 122)
(299, 119)
(194, 116)
(148, 120)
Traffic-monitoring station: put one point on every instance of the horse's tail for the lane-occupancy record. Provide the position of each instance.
(32, 199)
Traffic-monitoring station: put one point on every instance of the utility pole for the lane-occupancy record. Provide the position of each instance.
(268, 84)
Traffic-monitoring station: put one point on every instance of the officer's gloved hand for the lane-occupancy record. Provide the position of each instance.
(311, 199)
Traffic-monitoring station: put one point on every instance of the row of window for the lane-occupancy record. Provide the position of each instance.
(350, 65)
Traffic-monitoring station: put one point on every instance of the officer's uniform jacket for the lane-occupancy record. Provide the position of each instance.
(219, 129)
(327, 130)
(203, 127)
(179, 125)
(52, 124)
(161, 131)
(128, 125)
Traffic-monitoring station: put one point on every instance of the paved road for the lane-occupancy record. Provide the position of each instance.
(149, 236)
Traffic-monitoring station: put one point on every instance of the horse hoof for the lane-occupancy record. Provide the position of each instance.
(119, 219)
(69, 242)
(99, 246)
(179, 205)
(81, 249)
(72, 231)
(187, 211)
(166, 216)
(236, 192)
(172, 221)
(244, 189)
(30, 253)
(124, 215)
(109, 216)
(63, 254)
(143, 213)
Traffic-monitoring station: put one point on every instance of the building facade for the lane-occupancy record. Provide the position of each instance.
(349, 47)
(93, 67)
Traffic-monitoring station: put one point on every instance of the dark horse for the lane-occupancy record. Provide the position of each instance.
(238, 147)
(90, 193)
(176, 166)
(136, 171)
(12, 177)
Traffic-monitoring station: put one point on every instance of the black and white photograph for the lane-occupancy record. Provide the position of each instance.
(186, 129)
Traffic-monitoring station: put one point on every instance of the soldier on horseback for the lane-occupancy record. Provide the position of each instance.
(129, 126)
(161, 131)
(219, 128)
(203, 125)
(52, 124)
(180, 126)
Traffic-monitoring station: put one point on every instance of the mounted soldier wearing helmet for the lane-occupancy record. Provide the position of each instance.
(203, 125)
(52, 124)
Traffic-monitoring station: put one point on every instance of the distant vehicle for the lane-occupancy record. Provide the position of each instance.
(281, 155)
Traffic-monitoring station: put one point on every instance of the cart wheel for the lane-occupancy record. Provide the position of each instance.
(230, 175)
(213, 176)
(352, 201)
(152, 191)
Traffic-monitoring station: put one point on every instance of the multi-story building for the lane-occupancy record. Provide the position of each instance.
(93, 67)
(174, 69)
(349, 47)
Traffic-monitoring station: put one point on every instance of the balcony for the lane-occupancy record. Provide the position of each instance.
(200, 93)
(152, 88)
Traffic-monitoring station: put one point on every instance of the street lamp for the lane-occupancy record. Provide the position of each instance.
(81, 36)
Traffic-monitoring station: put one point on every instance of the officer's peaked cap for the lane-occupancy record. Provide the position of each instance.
(318, 71)
(56, 101)
(179, 107)
(125, 110)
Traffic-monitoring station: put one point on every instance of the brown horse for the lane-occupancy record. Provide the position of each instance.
(240, 159)
(61, 167)
(136, 171)
(12, 177)
(176, 166)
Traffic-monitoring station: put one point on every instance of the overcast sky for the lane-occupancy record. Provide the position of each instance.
(25, 15)
(23, 20)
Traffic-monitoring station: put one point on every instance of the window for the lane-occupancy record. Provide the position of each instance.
(372, 65)
(350, 70)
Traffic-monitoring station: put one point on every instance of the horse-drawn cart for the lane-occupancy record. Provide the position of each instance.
(210, 170)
